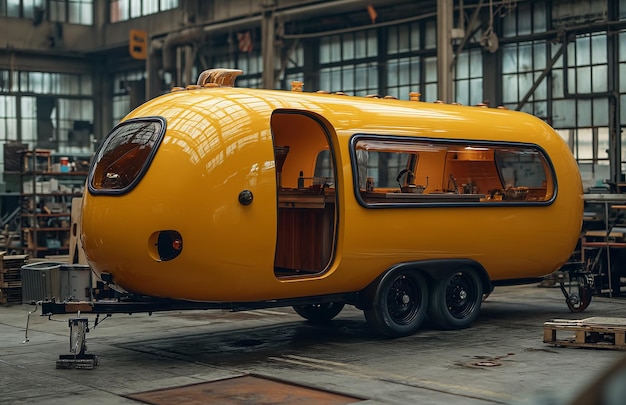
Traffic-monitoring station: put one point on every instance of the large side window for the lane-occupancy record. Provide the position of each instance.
(397, 170)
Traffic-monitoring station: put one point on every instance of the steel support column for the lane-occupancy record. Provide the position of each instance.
(268, 47)
(444, 50)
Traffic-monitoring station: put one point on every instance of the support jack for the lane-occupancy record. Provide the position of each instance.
(78, 346)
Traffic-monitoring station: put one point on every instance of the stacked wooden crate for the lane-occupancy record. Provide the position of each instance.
(11, 278)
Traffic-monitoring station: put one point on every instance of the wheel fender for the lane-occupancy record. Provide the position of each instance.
(439, 268)
(435, 269)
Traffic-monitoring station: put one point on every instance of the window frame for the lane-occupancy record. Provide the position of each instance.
(549, 171)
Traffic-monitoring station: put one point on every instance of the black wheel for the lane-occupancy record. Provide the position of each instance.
(319, 313)
(455, 299)
(398, 306)
(579, 299)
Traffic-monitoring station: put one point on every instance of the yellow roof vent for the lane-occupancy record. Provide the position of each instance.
(415, 96)
(220, 76)
(296, 86)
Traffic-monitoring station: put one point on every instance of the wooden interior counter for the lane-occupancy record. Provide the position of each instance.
(391, 198)
(307, 198)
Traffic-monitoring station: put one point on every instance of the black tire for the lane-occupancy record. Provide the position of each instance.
(398, 305)
(455, 299)
(319, 313)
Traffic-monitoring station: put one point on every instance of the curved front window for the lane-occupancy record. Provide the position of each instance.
(125, 155)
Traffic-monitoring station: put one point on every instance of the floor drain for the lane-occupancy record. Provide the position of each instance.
(246, 389)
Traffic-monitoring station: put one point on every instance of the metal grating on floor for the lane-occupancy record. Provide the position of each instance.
(247, 390)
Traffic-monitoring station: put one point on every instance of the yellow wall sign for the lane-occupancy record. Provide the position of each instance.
(138, 44)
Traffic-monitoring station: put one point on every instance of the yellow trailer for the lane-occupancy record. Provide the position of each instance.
(220, 194)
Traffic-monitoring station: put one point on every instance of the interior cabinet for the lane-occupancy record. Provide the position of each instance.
(46, 193)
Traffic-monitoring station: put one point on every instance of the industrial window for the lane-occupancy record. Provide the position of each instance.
(522, 64)
(468, 82)
(524, 61)
(580, 107)
(128, 93)
(412, 60)
(348, 63)
(47, 110)
(8, 118)
(21, 8)
(122, 10)
(71, 11)
(291, 64)
(398, 171)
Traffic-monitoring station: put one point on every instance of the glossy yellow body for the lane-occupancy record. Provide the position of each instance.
(219, 142)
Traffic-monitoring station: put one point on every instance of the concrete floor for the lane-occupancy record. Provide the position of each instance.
(501, 359)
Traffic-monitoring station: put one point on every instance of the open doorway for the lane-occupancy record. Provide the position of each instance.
(307, 202)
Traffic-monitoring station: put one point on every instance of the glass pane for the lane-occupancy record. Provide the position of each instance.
(583, 52)
(347, 79)
(392, 72)
(583, 80)
(430, 40)
(509, 59)
(335, 48)
(603, 142)
(325, 79)
(585, 143)
(539, 56)
(462, 92)
(600, 112)
(324, 50)
(135, 8)
(524, 18)
(13, 8)
(539, 17)
(571, 54)
(584, 113)
(348, 47)
(430, 92)
(430, 66)
(564, 113)
(462, 65)
(598, 49)
(392, 40)
(622, 46)
(150, 7)
(361, 45)
(404, 73)
(559, 61)
(525, 56)
(168, 4)
(541, 92)
(476, 91)
(525, 82)
(415, 37)
(476, 63)
(541, 109)
(509, 89)
(403, 38)
(509, 25)
(600, 78)
(571, 80)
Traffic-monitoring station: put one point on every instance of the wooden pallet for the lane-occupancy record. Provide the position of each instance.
(11, 278)
(596, 332)
(9, 296)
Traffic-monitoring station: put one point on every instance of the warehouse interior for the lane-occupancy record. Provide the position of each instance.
(71, 69)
